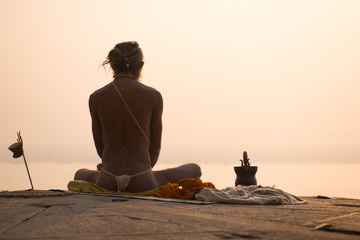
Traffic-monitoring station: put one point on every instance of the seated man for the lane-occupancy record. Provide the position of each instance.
(127, 126)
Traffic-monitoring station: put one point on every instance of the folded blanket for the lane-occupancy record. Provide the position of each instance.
(88, 187)
(250, 195)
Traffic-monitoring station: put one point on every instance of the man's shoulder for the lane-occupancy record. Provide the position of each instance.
(99, 92)
(151, 90)
(103, 90)
(140, 87)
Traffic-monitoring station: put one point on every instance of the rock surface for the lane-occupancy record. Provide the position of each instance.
(97, 217)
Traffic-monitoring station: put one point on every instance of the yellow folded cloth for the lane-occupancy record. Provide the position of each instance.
(88, 187)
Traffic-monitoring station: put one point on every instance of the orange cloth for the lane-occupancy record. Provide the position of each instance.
(189, 187)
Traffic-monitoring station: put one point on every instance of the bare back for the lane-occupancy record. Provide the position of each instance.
(118, 140)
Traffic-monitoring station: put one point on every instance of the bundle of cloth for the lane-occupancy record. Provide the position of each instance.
(191, 188)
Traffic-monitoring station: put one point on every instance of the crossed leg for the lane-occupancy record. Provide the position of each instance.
(86, 175)
(174, 175)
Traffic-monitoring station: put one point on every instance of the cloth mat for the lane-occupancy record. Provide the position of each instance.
(81, 186)
(88, 188)
(248, 195)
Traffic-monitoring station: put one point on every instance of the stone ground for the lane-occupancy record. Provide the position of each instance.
(97, 217)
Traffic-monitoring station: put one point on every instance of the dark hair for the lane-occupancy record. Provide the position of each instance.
(125, 57)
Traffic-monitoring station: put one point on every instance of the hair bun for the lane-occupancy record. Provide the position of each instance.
(126, 57)
(116, 58)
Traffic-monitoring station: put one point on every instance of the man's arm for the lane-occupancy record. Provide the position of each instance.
(96, 128)
(156, 130)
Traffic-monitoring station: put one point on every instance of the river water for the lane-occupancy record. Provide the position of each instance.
(329, 179)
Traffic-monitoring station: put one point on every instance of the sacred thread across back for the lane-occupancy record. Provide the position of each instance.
(131, 114)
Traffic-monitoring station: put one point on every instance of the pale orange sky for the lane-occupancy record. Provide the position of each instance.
(279, 79)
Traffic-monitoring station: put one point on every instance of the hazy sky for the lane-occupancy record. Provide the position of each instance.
(280, 79)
